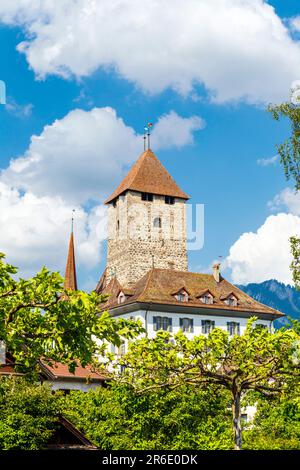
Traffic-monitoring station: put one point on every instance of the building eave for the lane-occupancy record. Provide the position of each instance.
(189, 309)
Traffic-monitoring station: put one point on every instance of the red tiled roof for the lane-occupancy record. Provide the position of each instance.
(148, 175)
(158, 284)
(58, 370)
(9, 367)
(70, 276)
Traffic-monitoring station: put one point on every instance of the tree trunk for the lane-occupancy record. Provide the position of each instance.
(236, 414)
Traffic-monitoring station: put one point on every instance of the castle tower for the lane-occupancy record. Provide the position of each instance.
(146, 223)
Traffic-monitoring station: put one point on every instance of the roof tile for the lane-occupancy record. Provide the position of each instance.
(148, 175)
(158, 284)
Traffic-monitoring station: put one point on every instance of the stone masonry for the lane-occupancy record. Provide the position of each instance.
(145, 234)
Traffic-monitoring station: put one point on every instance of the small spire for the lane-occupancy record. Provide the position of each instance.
(70, 276)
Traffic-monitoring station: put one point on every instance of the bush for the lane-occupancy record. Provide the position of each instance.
(28, 414)
(117, 418)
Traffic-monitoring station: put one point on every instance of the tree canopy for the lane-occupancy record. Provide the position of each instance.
(28, 414)
(257, 360)
(117, 418)
(289, 150)
(39, 319)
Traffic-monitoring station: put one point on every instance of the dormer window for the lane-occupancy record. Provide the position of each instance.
(181, 296)
(147, 197)
(231, 301)
(121, 298)
(206, 297)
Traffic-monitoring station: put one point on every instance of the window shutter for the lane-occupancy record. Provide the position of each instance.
(170, 324)
(181, 322)
(191, 325)
(155, 323)
(238, 329)
(213, 323)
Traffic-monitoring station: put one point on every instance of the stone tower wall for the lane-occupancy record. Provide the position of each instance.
(135, 245)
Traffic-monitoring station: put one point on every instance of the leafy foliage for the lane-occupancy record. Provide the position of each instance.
(289, 150)
(295, 265)
(257, 360)
(118, 418)
(28, 414)
(276, 425)
(39, 319)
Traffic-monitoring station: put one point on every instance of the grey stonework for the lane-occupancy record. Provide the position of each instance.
(136, 242)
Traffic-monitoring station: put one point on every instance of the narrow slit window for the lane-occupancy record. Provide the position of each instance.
(157, 222)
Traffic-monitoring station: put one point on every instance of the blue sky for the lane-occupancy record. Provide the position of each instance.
(219, 168)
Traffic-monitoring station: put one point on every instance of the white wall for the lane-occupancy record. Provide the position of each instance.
(220, 322)
(72, 385)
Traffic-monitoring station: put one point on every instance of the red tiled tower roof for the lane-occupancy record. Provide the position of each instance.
(148, 175)
(70, 276)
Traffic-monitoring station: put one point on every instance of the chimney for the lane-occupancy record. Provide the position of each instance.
(217, 272)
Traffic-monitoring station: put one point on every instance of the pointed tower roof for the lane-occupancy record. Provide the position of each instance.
(148, 175)
(70, 276)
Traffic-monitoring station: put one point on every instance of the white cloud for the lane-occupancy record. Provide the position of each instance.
(265, 254)
(35, 231)
(268, 161)
(288, 199)
(84, 155)
(295, 23)
(172, 130)
(239, 49)
(75, 159)
(18, 110)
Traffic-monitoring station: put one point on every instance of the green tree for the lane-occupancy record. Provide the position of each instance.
(118, 418)
(257, 360)
(28, 414)
(289, 152)
(38, 319)
(277, 424)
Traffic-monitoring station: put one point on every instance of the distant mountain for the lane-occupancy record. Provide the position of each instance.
(277, 295)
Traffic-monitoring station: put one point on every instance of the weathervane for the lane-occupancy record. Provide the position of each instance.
(72, 220)
(147, 135)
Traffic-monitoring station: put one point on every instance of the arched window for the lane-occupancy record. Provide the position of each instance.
(121, 298)
(157, 222)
